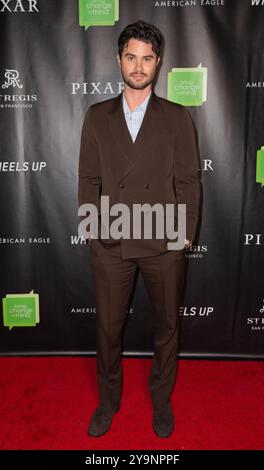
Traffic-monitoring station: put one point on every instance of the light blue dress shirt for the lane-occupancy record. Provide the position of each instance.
(134, 118)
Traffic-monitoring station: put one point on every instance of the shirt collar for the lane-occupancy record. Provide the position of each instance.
(141, 107)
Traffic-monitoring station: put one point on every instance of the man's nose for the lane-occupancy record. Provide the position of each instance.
(138, 65)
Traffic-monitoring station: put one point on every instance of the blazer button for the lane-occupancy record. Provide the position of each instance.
(121, 185)
(146, 185)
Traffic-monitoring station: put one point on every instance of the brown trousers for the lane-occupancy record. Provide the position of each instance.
(163, 277)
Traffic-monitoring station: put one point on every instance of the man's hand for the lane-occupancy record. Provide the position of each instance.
(188, 244)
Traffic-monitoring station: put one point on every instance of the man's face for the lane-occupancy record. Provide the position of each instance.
(138, 64)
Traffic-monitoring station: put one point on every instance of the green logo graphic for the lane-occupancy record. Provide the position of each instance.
(188, 86)
(260, 166)
(21, 309)
(98, 12)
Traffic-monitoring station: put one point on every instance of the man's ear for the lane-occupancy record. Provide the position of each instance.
(118, 60)
(158, 59)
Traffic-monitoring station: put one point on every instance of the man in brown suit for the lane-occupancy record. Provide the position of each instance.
(138, 148)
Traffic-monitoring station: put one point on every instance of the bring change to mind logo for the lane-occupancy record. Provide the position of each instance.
(187, 86)
(98, 12)
(260, 166)
(20, 310)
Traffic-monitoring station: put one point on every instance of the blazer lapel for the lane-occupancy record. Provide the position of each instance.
(133, 151)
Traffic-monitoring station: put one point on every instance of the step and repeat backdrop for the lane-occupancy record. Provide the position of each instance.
(57, 57)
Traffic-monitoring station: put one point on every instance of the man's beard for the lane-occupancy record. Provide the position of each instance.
(137, 86)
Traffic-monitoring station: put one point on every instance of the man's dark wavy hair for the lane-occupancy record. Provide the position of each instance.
(142, 31)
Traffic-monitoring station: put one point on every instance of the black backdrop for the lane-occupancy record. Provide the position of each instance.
(58, 69)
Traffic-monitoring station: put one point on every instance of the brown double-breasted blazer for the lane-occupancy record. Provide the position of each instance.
(161, 166)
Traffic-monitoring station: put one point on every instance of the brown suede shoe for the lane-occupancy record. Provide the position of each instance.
(101, 421)
(163, 421)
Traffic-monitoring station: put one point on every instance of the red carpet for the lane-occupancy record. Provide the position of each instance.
(46, 403)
